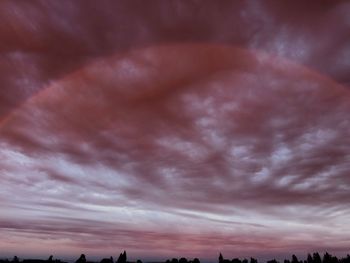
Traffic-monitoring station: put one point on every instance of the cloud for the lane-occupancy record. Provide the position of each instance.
(209, 146)
(209, 136)
(44, 41)
(93, 236)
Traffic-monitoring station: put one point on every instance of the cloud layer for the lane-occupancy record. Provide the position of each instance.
(201, 146)
(126, 129)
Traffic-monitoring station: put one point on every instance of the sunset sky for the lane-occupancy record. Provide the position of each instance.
(174, 128)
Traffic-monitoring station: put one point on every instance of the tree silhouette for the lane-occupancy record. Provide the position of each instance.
(345, 260)
(317, 258)
(122, 257)
(81, 259)
(309, 258)
(327, 258)
(107, 260)
(294, 259)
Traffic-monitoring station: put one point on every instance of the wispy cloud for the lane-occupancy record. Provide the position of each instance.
(113, 136)
(234, 142)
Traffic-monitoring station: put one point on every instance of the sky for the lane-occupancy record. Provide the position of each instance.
(174, 128)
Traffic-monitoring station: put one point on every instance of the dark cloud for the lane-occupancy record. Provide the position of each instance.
(224, 130)
(43, 41)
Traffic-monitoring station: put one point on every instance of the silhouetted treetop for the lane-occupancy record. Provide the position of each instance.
(311, 258)
(107, 260)
(81, 259)
(122, 257)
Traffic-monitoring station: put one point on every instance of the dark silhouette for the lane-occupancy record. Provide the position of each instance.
(122, 257)
(327, 258)
(107, 260)
(82, 259)
(34, 261)
(49, 260)
(182, 260)
(295, 259)
(222, 260)
(311, 258)
(315, 258)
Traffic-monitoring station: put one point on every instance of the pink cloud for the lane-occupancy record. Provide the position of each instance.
(127, 127)
(188, 132)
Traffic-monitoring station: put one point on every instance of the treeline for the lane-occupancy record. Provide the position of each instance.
(314, 258)
(82, 259)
